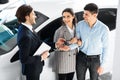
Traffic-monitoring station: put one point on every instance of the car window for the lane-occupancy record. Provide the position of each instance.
(46, 33)
(7, 39)
(8, 32)
(41, 18)
(108, 17)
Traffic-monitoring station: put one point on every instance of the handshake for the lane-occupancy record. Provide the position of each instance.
(61, 44)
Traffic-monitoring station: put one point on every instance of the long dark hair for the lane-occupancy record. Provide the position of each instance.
(70, 10)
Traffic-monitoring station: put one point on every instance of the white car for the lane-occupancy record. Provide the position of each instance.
(48, 20)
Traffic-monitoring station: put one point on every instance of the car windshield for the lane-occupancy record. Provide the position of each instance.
(8, 32)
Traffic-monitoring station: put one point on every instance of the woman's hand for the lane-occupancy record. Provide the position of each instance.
(60, 42)
(64, 48)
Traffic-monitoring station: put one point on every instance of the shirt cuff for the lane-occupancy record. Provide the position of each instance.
(73, 46)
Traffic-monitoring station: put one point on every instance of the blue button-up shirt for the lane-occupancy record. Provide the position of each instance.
(94, 40)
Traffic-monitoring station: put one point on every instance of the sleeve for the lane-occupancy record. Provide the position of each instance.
(73, 46)
(78, 31)
(24, 50)
(105, 42)
(58, 34)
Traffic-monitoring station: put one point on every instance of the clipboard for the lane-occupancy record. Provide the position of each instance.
(43, 47)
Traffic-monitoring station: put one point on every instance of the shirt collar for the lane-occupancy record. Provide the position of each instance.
(71, 30)
(28, 26)
(95, 23)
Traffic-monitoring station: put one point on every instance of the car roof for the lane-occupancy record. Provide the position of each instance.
(51, 9)
(55, 7)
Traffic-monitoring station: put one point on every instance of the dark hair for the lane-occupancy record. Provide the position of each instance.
(70, 10)
(23, 11)
(93, 8)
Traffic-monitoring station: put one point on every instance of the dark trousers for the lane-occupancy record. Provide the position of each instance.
(84, 62)
(32, 77)
(68, 76)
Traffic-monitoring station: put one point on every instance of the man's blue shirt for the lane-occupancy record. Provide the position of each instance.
(94, 40)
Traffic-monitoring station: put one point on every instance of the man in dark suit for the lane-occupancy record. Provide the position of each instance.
(28, 42)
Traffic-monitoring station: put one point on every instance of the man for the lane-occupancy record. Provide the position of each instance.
(28, 42)
(93, 51)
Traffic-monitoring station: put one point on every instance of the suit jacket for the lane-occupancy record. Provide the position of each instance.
(28, 42)
(64, 60)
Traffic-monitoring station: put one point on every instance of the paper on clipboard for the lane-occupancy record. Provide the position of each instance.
(43, 47)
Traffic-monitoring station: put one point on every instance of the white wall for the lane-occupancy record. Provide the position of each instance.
(116, 63)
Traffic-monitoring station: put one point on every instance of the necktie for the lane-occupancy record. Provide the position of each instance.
(33, 30)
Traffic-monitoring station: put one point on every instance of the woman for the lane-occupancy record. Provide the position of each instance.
(66, 60)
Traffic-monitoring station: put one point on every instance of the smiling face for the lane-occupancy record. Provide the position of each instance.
(31, 18)
(90, 13)
(67, 18)
(88, 16)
